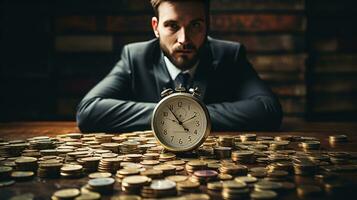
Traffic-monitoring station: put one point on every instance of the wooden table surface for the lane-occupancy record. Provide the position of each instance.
(44, 188)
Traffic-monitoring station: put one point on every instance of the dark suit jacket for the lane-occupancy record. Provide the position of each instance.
(235, 96)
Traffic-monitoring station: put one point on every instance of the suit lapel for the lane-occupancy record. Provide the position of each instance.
(162, 76)
(204, 70)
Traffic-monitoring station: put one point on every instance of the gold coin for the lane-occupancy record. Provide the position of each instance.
(88, 196)
(177, 178)
(136, 180)
(100, 175)
(67, 193)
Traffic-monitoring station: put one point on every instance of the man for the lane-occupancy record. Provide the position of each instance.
(182, 52)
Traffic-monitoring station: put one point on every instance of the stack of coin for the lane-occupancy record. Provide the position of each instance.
(234, 190)
(66, 194)
(5, 172)
(233, 169)
(309, 191)
(335, 139)
(267, 185)
(26, 164)
(121, 174)
(118, 139)
(188, 186)
(113, 147)
(339, 157)
(109, 165)
(277, 175)
(72, 171)
(225, 177)
(248, 137)
(88, 196)
(43, 144)
(226, 141)
(129, 147)
(12, 150)
(222, 152)
(73, 156)
(215, 186)
(99, 175)
(159, 188)
(101, 185)
(310, 145)
(31, 153)
(49, 169)
(152, 173)
(48, 152)
(22, 175)
(304, 167)
(195, 165)
(151, 156)
(243, 157)
(74, 135)
(263, 195)
(134, 184)
(167, 157)
(135, 158)
(204, 176)
(177, 178)
(167, 170)
(249, 180)
(279, 145)
(103, 138)
(90, 164)
(147, 164)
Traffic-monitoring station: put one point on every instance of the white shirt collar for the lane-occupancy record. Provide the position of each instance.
(174, 71)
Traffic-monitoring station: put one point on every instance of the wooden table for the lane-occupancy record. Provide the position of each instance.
(44, 188)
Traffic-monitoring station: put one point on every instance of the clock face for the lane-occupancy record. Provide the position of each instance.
(180, 123)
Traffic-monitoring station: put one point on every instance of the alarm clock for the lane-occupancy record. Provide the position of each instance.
(181, 121)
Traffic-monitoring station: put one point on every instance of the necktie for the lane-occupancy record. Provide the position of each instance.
(182, 80)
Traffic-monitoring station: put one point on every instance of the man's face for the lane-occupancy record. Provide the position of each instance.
(181, 28)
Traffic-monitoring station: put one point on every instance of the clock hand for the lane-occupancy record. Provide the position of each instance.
(189, 119)
(179, 122)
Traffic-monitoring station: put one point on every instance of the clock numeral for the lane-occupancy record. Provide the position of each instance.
(197, 123)
(165, 132)
(189, 138)
(162, 122)
(171, 107)
(180, 141)
(179, 104)
(195, 132)
(172, 138)
(165, 114)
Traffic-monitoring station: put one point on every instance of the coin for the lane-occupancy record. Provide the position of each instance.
(100, 175)
(264, 194)
(162, 184)
(66, 193)
(88, 196)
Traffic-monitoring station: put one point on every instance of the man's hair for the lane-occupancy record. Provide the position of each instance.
(156, 3)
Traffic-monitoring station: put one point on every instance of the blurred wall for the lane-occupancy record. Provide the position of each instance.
(53, 52)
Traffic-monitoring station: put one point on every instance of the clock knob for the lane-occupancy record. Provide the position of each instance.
(180, 89)
(166, 92)
(195, 92)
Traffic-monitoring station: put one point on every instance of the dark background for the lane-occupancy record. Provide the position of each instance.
(53, 52)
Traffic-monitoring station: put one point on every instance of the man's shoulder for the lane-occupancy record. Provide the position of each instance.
(144, 45)
(223, 43)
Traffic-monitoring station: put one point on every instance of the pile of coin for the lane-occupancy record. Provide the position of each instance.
(204, 176)
(263, 185)
(121, 174)
(188, 186)
(226, 141)
(22, 175)
(12, 150)
(101, 185)
(109, 165)
(233, 169)
(303, 166)
(310, 145)
(248, 137)
(152, 173)
(195, 165)
(26, 164)
(234, 190)
(113, 147)
(71, 171)
(243, 157)
(222, 152)
(134, 184)
(160, 188)
(90, 164)
(66, 194)
(128, 147)
(167, 170)
(335, 139)
(49, 169)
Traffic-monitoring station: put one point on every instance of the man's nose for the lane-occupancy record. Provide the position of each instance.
(182, 36)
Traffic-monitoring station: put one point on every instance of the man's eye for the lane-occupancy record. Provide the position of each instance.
(173, 26)
(196, 25)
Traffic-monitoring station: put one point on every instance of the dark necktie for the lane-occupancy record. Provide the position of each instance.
(182, 79)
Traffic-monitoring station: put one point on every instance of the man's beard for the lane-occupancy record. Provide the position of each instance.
(182, 62)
